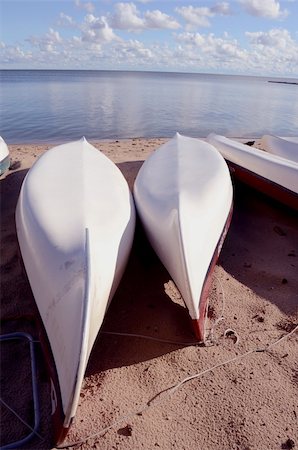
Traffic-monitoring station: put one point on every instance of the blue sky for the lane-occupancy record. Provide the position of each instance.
(248, 37)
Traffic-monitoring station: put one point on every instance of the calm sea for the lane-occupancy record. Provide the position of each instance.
(59, 106)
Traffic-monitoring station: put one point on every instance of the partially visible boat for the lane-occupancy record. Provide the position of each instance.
(271, 174)
(4, 156)
(75, 221)
(285, 147)
(183, 193)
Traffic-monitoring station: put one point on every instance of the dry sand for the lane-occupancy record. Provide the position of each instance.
(250, 403)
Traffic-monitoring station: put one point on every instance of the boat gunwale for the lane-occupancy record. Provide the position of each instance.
(249, 150)
(264, 185)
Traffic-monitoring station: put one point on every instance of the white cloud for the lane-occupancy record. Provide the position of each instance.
(75, 41)
(267, 53)
(157, 19)
(88, 6)
(65, 21)
(127, 17)
(219, 48)
(97, 30)
(278, 38)
(199, 16)
(222, 8)
(95, 42)
(47, 43)
(53, 37)
(14, 54)
(134, 50)
(269, 9)
(273, 51)
(195, 16)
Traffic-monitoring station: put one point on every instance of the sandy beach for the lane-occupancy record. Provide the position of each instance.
(248, 400)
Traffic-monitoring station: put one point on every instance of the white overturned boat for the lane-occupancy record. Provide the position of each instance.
(267, 172)
(75, 222)
(285, 147)
(4, 156)
(183, 194)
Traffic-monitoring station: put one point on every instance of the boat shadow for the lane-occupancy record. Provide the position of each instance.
(143, 305)
(261, 248)
(15, 293)
(18, 314)
(10, 186)
(130, 170)
(146, 304)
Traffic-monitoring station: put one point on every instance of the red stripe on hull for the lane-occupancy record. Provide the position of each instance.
(267, 187)
(199, 324)
(60, 435)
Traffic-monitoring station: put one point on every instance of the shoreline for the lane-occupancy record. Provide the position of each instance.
(250, 404)
(98, 141)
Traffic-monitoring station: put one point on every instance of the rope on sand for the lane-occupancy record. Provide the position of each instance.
(20, 418)
(152, 338)
(158, 398)
(208, 341)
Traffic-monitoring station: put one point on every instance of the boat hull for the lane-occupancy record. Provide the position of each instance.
(262, 184)
(75, 222)
(270, 174)
(4, 156)
(199, 324)
(285, 147)
(183, 195)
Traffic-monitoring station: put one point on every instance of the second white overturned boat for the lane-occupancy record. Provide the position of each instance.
(183, 194)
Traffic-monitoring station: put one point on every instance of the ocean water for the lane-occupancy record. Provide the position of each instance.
(58, 106)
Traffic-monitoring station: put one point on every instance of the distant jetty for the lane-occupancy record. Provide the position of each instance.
(283, 82)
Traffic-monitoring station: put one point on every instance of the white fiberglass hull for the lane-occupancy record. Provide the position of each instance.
(75, 222)
(4, 156)
(183, 194)
(285, 147)
(269, 173)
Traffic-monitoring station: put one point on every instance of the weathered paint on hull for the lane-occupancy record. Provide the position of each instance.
(267, 187)
(199, 324)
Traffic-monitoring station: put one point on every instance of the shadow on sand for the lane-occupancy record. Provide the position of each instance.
(261, 248)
